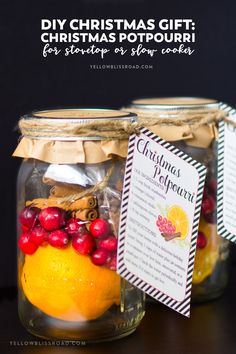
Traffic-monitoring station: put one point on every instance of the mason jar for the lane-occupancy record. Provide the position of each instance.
(69, 194)
(191, 125)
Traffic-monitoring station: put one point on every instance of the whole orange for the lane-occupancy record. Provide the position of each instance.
(68, 286)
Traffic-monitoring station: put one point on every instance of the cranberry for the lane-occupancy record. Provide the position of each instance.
(58, 239)
(28, 217)
(26, 245)
(109, 243)
(25, 228)
(38, 235)
(210, 218)
(84, 244)
(100, 256)
(212, 186)
(205, 192)
(75, 227)
(52, 218)
(99, 228)
(164, 225)
(112, 264)
(208, 205)
(201, 240)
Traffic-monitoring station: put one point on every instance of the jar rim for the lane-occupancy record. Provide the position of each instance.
(174, 103)
(80, 115)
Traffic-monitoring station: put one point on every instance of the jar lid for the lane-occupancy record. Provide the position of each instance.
(73, 123)
(175, 103)
(82, 115)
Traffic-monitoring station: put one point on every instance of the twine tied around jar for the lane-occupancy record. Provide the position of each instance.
(178, 118)
(231, 122)
(118, 129)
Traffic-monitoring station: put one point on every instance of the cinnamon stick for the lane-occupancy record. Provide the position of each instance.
(86, 214)
(88, 202)
(87, 225)
(62, 190)
(169, 237)
(42, 203)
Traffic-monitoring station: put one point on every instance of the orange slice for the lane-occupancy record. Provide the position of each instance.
(179, 219)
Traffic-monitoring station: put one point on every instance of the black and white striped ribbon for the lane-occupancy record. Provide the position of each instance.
(222, 230)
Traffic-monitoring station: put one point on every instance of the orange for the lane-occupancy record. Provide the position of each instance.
(179, 219)
(68, 286)
(206, 258)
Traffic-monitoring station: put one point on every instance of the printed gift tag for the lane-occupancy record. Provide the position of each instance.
(226, 191)
(160, 212)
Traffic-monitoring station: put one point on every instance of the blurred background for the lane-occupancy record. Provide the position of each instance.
(29, 81)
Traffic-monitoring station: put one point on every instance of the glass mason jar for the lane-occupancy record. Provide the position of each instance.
(69, 195)
(199, 140)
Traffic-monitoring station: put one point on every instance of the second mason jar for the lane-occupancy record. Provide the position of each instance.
(69, 195)
(191, 125)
